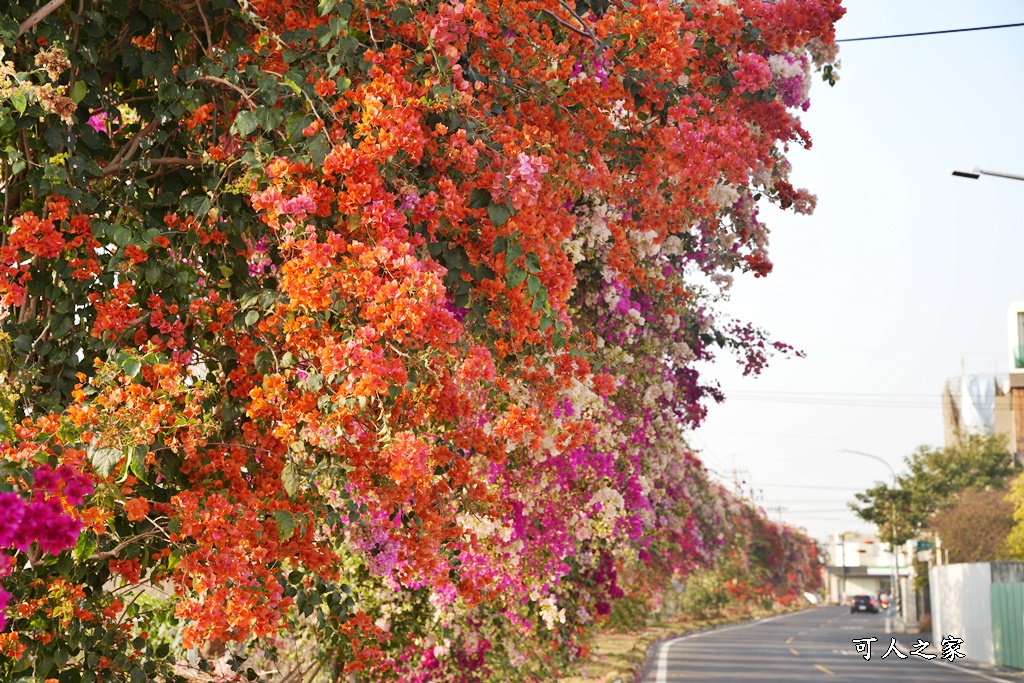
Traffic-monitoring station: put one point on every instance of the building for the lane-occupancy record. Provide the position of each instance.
(861, 564)
(1015, 323)
(990, 403)
(977, 404)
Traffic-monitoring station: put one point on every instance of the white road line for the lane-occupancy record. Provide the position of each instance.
(662, 673)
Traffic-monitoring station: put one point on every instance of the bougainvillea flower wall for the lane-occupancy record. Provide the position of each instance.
(363, 337)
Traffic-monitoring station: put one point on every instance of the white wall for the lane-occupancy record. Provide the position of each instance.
(961, 607)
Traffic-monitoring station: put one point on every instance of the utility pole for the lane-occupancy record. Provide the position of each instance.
(842, 540)
(897, 589)
(738, 482)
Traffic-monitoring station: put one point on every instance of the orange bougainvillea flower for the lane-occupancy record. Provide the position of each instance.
(136, 509)
(10, 646)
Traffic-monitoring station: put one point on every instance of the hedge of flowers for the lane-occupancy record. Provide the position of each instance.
(362, 336)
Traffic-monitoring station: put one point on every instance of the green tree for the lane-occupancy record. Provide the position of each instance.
(936, 479)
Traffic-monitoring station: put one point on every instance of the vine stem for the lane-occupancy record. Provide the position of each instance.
(159, 161)
(125, 543)
(40, 14)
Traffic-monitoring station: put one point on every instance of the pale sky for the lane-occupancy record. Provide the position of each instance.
(902, 274)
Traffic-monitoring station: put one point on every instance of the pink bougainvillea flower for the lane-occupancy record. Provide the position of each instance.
(12, 509)
(98, 121)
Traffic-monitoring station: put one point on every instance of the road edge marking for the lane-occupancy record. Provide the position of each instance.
(822, 668)
(794, 652)
(661, 673)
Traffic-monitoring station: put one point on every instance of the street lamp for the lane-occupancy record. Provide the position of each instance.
(977, 173)
(898, 602)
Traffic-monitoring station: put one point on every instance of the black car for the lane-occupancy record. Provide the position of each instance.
(863, 603)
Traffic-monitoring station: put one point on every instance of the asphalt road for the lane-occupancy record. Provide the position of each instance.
(813, 645)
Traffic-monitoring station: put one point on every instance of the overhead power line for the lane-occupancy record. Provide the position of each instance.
(833, 437)
(929, 33)
(807, 486)
(813, 501)
(842, 403)
(843, 394)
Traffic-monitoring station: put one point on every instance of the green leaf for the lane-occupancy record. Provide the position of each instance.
(268, 84)
(131, 367)
(245, 123)
(401, 14)
(533, 284)
(60, 326)
(533, 262)
(314, 381)
(269, 118)
(479, 198)
(264, 361)
(326, 6)
(139, 676)
(498, 213)
(292, 84)
(288, 360)
(85, 546)
(251, 318)
(20, 102)
(290, 479)
(285, 524)
(128, 453)
(122, 236)
(201, 206)
(514, 251)
(104, 460)
(78, 91)
(23, 343)
(137, 464)
(153, 274)
(250, 301)
(516, 275)
(541, 300)
(167, 91)
(319, 148)
(225, 271)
